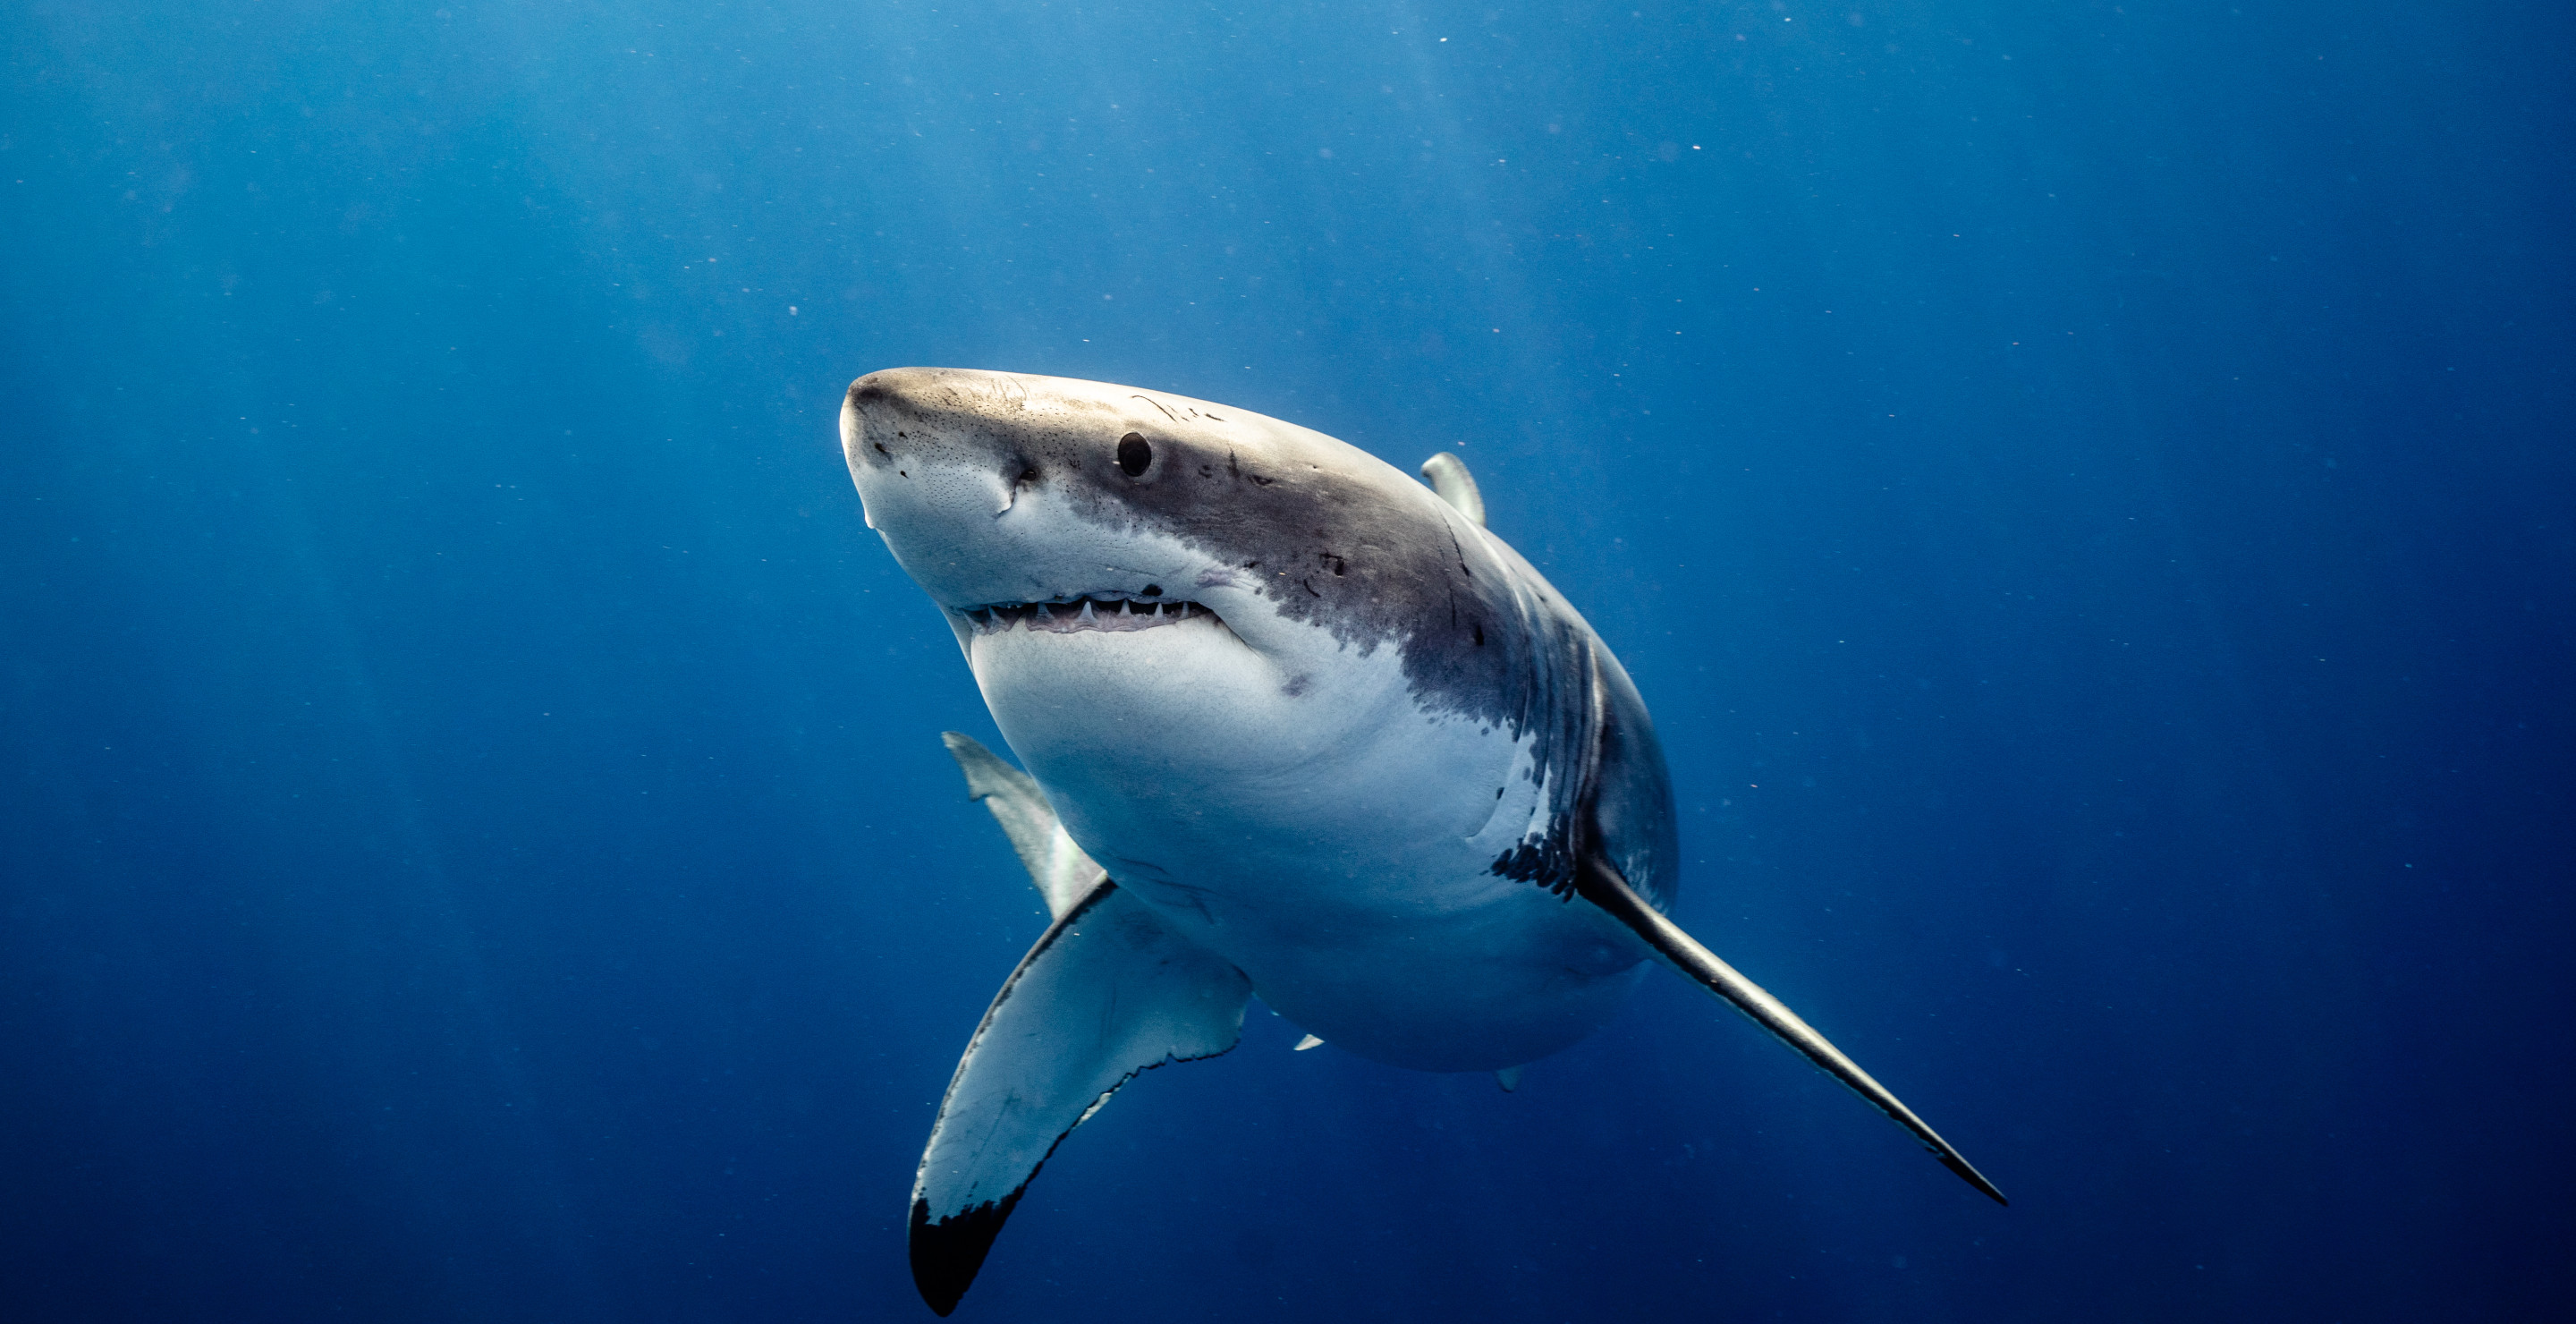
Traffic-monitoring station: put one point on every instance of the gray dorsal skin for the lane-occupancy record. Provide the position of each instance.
(1326, 737)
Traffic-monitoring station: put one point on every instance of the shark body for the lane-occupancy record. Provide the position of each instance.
(1294, 724)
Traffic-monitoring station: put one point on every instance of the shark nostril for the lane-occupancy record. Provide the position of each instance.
(1135, 455)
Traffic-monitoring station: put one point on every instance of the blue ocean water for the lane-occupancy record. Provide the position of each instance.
(2085, 489)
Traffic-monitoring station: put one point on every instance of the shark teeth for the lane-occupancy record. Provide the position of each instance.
(1110, 613)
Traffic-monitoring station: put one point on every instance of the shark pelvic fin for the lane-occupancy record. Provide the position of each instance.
(1108, 992)
(1448, 476)
(1062, 873)
(1602, 884)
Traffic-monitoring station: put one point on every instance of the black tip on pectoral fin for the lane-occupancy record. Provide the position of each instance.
(948, 1253)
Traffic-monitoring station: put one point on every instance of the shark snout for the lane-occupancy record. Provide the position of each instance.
(898, 416)
(981, 495)
(958, 428)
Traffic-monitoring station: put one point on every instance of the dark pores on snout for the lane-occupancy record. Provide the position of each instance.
(933, 416)
(941, 417)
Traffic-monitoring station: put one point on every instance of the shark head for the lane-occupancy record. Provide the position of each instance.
(1117, 562)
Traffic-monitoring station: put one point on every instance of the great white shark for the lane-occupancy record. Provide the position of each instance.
(1295, 724)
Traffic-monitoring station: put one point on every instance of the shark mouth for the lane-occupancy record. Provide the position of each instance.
(1101, 611)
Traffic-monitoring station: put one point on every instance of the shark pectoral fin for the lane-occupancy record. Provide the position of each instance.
(1448, 476)
(1108, 992)
(1604, 886)
(1509, 1078)
(1062, 873)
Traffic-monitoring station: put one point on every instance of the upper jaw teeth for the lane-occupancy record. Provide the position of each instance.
(1089, 611)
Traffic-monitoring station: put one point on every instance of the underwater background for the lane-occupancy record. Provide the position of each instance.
(2085, 488)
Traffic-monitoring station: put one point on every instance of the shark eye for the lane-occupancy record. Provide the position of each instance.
(1134, 455)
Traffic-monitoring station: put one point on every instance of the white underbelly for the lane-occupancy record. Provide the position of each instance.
(1336, 845)
(1509, 978)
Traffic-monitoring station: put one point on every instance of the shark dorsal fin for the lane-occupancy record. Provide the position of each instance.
(1448, 476)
